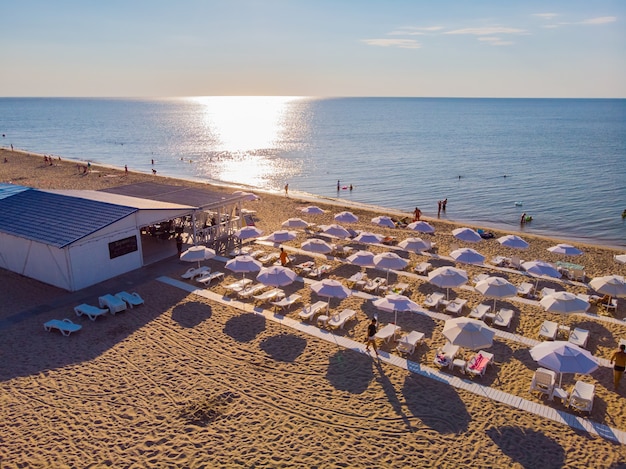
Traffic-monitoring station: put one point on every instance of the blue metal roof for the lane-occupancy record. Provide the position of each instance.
(56, 219)
(7, 190)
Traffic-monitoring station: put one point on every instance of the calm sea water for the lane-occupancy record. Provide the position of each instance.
(564, 159)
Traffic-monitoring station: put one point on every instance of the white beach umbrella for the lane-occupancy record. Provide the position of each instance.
(368, 238)
(564, 357)
(467, 256)
(447, 277)
(468, 333)
(621, 258)
(496, 287)
(335, 230)
(316, 245)
(389, 261)
(346, 217)
(276, 276)
(312, 210)
(415, 244)
(294, 223)
(383, 221)
(332, 289)
(362, 258)
(513, 241)
(612, 285)
(394, 303)
(540, 269)
(565, 249)
(197, 254)
(248, 232)
(243, 264)
(281, 236)
(564, 302)
(466, 234)
(421, 226)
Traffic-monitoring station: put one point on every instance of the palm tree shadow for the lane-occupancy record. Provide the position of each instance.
(515, 443)
(191, 314)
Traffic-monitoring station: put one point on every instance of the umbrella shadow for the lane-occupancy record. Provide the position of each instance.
(436, 404)
(350, 371)
(284, 347)
(245, 327)
(599, 335)
(191, 314)
(515, 442)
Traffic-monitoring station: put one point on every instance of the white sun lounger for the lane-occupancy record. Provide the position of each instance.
(310, 311)
(131, 299)
(581, 397)
(270, 295)
(286, 302)
(91, 312)
(525, 289)
(434, 300)
(445, 355)
(407, 343)
(480, 311)
(195, 271)
(339, 320)
(543, 381)
(456, 306)
(112, 303)
(387, 332)
(423, 267)
(503, 318)
(65, 326)
(250, 290)
(478, 363)
(549, 329)
(579, 337)
(207, 278)
(239, 285)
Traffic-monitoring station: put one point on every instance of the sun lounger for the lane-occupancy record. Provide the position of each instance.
(250, 290)
(480, 278)
(549, 329)
(275, 293)
(339, 320)
(317, 272)
(434, 300)
(358, 279)
(112, 303)
(546, 291)
(581, 397)
(91, 312)
(480, 311)
(579, 337)
(456, 306)
(256, 254)
(131, 299)
(502, 318)
(65, 326)
(399, 288)
(423, 268)
(238, 285)
(206, 279)
(286, 302)
(310, 311)
(612, 306)
(373, 285)
(269, 258)
(516, 263)
(478, 363)
(500, 261)
(387, 332)
(543, 381)
(445, 355)
(525, 289)
(409, 341)
(195, 271)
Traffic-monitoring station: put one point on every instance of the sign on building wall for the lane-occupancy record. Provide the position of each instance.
(122, 246)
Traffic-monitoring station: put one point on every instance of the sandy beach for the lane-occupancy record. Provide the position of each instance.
(184, 381)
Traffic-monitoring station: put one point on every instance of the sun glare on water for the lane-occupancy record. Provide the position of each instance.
(245, 130)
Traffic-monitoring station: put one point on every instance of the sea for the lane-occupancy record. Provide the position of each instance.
(560, 161)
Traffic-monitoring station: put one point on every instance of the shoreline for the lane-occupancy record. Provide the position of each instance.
(120, 390)
(314, 198)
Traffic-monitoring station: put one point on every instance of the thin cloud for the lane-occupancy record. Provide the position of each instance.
(494, 41)
(487, 31)
(399, 43)
(546, 16)
(600, 20)
(415, 31)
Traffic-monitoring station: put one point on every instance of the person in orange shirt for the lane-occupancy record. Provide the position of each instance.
(283, 257)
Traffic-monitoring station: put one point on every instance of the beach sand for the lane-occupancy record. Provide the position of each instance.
(184, 381)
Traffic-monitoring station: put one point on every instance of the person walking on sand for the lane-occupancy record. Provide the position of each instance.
(371, 336)
(619, 365)
(417, 214)
(283, 257)
(179, 244)
(286, 190)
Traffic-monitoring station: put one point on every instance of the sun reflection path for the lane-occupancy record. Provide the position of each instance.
(247, 131)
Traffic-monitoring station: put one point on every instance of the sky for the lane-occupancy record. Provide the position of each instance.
(422, 48)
